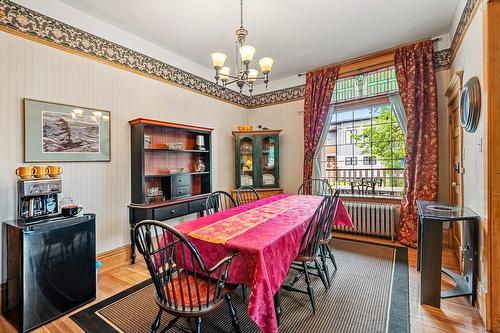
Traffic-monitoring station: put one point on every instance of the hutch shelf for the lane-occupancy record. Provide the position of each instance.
(171, 172)
(257, 161)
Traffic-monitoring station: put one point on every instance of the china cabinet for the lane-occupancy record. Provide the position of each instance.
(257, 160)
(171, 172)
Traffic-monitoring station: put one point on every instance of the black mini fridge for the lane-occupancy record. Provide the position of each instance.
(48, 268)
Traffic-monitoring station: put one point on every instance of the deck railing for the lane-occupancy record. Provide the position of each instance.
(370, 181)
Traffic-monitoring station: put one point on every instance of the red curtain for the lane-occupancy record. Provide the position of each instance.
(417, 87)
(318, 94)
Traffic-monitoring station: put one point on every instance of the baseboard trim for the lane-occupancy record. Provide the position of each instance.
(115, 259)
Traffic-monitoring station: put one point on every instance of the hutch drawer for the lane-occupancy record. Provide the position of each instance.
(181, 191)
(168, 212)
(196, 206)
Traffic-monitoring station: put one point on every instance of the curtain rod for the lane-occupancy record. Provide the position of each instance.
(435, 39)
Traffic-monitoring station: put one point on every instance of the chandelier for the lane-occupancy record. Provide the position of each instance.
(244, 75)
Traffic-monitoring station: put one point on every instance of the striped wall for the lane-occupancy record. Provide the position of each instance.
(33, 70)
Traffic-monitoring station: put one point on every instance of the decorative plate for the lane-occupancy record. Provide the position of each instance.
(470, 105)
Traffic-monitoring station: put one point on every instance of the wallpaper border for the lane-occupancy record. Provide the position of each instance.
(24, 21)
(62, 35)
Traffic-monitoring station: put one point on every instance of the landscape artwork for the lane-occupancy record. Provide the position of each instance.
(56, 132)
(62, 132)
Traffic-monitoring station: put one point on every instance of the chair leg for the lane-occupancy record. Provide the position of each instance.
(156, 324)
(244, 291)
(233, 314)
(322, 254)
(320, 273)
(310, 290)
(169, 325)
(198, 325)
(332, 258)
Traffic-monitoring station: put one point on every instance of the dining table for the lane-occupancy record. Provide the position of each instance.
(267, 235)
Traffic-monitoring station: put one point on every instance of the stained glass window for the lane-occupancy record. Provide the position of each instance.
(369, 84)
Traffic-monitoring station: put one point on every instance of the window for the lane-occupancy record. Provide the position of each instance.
(376, 83)
(350, 135)
(351, 160)
(369, 160)
(366, 130)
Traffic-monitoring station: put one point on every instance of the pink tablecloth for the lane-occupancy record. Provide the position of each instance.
(266, 248)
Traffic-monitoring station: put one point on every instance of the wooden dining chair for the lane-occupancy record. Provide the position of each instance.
(246, 194)
(315, 187)
(219, 201)
(184, 286)
(309, 248)
(325, 251)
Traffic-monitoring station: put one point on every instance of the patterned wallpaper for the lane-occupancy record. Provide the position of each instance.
(26, 21)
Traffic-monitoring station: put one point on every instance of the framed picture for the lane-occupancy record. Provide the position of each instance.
(65, 133)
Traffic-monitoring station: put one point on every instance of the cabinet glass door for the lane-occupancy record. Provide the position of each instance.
(246, 161)
(269, 161)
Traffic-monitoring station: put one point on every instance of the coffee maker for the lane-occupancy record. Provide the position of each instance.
(38, 198)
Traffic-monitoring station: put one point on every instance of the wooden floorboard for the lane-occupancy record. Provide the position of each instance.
(455, 315)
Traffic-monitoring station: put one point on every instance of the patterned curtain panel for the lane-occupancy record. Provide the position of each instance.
(318, 94)
(417, 87)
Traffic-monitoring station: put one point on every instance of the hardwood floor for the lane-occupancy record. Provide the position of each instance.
(455, 315)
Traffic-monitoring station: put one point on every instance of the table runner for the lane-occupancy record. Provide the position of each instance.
(266, 249)
(228, 228)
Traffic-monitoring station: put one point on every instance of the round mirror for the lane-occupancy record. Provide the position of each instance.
(470, 105)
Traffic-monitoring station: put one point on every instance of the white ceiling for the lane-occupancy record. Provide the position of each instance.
(298, 34)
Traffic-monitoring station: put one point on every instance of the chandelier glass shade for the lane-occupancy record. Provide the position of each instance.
(243, 75)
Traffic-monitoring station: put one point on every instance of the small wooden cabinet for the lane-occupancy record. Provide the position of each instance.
(160, 190)
(257, 158)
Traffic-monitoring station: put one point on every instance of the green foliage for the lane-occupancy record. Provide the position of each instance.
(384, 139)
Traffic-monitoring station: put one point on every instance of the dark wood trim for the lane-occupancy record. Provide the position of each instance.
(146, 121)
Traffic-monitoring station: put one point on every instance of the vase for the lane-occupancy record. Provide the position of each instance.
(200, 165)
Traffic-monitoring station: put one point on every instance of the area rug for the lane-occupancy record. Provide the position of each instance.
(369, 293)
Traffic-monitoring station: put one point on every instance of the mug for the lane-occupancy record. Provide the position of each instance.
(41, 171)
(71, 210)
(55, 171)
(26, 172)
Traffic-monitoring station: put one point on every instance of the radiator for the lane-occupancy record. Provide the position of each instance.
(372, 219)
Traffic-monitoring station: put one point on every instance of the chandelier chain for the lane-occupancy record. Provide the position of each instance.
(241, 12)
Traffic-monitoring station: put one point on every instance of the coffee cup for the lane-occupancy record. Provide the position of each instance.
(55, 171)
(71, 210)
(41, 171)
(26, 172)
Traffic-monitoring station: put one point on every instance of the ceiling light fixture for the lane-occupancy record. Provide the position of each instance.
(244, 75)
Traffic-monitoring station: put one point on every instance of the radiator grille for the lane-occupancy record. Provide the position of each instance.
(372, 219)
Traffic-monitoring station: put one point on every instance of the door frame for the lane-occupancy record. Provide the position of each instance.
(491, 89)
(453, 93)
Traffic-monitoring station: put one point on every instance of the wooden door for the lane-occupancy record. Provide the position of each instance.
(455, 138)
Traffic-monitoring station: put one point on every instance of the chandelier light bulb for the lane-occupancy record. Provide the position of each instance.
(218, 60)
(224, 73)
(252, 75)
(246, 53)
(266, 64)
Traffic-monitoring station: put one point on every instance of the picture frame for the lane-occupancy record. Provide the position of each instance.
(55, 132)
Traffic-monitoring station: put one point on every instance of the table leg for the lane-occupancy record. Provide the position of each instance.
(430, 266)
(132, 245)
(277, 306)
(419, 242)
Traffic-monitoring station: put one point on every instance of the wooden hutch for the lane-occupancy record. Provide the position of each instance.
(171, 172)
(257, 161)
